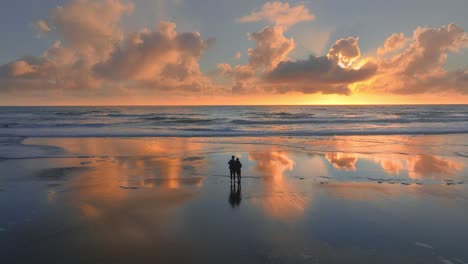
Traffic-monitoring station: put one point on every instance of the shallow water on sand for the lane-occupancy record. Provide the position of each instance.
(349, 199)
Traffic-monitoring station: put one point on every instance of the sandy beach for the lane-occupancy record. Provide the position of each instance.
(344, 199)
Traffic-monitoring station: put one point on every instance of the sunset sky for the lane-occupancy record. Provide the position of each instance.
(145, 52)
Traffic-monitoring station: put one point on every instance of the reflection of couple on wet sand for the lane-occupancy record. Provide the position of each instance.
(235, 168)
(235, 195)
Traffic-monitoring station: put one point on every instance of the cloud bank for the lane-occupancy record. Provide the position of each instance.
(94, 52)
(420, 67)
(402, 65)
(280, 14)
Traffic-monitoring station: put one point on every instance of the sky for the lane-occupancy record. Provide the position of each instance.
(214, 52)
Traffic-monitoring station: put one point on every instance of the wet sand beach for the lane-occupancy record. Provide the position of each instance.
(333, 199)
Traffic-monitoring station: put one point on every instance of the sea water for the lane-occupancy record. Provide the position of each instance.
(231, 121)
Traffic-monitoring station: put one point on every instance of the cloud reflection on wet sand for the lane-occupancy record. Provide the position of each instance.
(279, 198)
(416, 166)
(150, 196)
(342, 160)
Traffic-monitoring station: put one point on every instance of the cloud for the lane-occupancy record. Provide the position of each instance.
(89, 27)
(280, 14)
(85, 40)
(244, 77)
(42, 27)
(345, 52)
(420, 67)
(269, 69)
(317, 74)
(392, 43)
(271, 48)
(148, 54)
(163, 57)
(92, 53)
(20, 68)
(28, 73)
(331, 74)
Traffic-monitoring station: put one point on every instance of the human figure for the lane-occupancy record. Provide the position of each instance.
(238, 167)
(232, 170)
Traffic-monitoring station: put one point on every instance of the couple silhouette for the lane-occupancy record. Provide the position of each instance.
(235, 168)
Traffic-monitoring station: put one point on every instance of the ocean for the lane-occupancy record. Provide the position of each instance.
(232, 121)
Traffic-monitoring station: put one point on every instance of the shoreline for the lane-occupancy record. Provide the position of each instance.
(239, 135)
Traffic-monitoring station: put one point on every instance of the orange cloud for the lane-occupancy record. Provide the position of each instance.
(270, 71)
(42, 27)
(281, 14)
(420, 68)
(272, 47)
(394, 42)
(88, 41)
(161, 58)
(80, 24)
(20, 68)
(97, 53)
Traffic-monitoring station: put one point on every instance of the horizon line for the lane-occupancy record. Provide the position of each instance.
(214, 105)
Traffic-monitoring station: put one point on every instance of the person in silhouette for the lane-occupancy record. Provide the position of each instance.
(232, 170)
(238, 166)
(235, 195)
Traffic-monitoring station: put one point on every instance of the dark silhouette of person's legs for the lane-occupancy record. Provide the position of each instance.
(238, 176)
